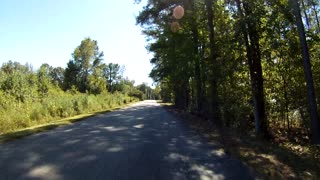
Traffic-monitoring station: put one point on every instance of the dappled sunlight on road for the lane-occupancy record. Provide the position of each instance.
(177, 157)
(115, 149)
(113, 129)
(139, 126)
(205, 173)
(139, 142)
(44, 172)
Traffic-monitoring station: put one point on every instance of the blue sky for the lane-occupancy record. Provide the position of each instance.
(47, 31)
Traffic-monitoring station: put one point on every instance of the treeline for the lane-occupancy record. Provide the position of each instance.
(29, 97)
(242, 64)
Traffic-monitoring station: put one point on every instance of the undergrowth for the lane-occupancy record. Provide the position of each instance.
(280, 158)
(55, 105)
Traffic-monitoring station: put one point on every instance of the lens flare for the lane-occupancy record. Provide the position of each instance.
(175, 26)
(178, 12)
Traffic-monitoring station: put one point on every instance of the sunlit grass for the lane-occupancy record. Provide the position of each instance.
(15, 115)
(19, 133)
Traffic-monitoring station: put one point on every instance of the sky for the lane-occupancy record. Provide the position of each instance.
(48, 31)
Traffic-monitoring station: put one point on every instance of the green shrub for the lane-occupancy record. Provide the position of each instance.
(35, 115)
(15, 114)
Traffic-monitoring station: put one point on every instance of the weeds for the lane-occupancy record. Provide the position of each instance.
(56, 105)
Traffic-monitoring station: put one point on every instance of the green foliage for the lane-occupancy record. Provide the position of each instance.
(57, 76)
(112, 73)
(84, 67)
(146, 92)
(30, 97)
(197, 66)
(18, 81)
(56, 105)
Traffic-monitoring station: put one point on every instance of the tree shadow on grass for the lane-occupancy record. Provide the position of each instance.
(280, 161)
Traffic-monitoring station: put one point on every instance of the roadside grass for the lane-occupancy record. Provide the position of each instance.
(271, 160)
(19, 133)
(56, 105)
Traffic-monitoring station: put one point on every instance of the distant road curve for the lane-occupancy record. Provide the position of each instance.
(140, 142)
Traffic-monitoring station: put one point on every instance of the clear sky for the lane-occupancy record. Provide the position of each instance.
(47, 31)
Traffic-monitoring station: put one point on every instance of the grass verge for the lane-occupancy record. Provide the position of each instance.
(271, 160)
(47, 126)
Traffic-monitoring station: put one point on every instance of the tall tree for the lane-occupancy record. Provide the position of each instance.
(71, 75)
(250, 20)
(237, 58)
(85, 59)
(57, 76)
(44, 79)
(214, 65)
(112, 73)
(315, 124)
(200, 84)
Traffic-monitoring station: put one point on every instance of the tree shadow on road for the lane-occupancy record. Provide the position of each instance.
(140, 142)
(271, 160)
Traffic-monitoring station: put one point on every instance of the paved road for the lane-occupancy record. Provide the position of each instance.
(141, 142)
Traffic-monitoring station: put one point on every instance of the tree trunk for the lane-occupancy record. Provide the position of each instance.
(286, 99)
(199, 82)
(315, 125)
(213, 79)
(198, 79)
(251, 38)
(181, 93)
(257, 91)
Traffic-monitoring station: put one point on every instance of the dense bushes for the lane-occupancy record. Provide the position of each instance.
(58, 104)
(29, 97)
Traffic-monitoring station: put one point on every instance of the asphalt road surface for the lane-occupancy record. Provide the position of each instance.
(140, 142)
